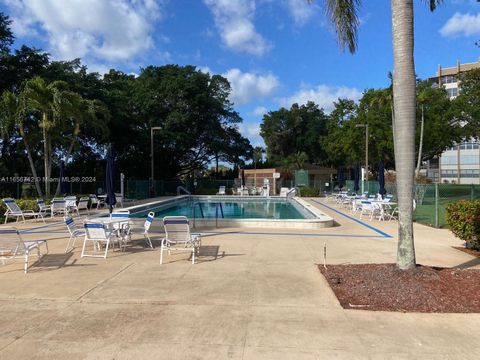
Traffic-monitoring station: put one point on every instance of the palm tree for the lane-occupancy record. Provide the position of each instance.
(52, 102)
(343, 14)
(12, 115)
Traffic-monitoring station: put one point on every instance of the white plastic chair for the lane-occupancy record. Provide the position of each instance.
(13, 210)
(74, 232)
(96, 233)
(12, 246)
(177, 233)
(59, 206)
(119, 198)
(95, 201)
(83, 204)
(71, 204)
(42, 207)
(121, 228)
(221, 190)
(143, 230)
(369, 208)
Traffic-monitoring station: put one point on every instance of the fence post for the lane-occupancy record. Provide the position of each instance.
(472, 192)
(436, 205)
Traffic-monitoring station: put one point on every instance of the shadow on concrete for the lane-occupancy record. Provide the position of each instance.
(469, 264)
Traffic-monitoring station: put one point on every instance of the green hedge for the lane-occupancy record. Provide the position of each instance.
(309, 191)
(463, 219)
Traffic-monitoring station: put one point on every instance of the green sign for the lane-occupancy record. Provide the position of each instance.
(301, 178)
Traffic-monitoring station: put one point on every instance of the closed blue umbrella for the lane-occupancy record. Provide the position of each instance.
(341, 177)
(356, 178)
(110, 179)
(381, 178)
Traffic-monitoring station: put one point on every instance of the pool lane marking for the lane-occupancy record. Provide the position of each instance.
(384, 234)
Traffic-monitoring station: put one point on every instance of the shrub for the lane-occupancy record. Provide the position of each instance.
(463, 219)
(206, 191)
(309, 191)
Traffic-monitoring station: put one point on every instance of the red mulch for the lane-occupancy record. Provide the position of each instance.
(423, 289)
(468, 251)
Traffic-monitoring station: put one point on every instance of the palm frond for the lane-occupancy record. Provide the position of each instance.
(433, 4)
(343, 15)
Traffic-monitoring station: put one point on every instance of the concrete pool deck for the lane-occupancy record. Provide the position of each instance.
(261, 298)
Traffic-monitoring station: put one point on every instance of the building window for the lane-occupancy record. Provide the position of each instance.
(470, 173)
(449, 79)
(452, 92)
(450, 160)
(469, 159)
(469, 145)
(449, 173)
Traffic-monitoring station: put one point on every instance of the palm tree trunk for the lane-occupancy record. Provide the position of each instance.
(404, 97)
(393, 131)
(420, 146)
(45, 155)
(30, 161)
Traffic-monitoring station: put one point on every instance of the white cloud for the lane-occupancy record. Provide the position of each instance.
(322, 95)
(107, 30)
(461, 24)
(252, 132)
(301, 11)
(234, 20)
(247, 86)
(259, 111)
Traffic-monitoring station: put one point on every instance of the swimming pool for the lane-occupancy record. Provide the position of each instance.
(238, 211)
(246, 208)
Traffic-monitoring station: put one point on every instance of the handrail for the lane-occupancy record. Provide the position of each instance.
(181, 188)
(217, 205)
(201, 211)
(291, 193)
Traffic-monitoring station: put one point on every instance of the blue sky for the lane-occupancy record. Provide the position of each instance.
(274, 52)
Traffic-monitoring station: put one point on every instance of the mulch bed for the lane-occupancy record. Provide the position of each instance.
(423, 289)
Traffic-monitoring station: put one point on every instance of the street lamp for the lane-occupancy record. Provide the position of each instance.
(366, 147)
(152, 129)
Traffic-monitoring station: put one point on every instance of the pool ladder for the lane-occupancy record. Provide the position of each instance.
(217, 207)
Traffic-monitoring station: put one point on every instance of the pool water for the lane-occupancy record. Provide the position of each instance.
(232, 209)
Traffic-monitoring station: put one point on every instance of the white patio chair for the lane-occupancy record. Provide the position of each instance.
(71, 204)
(369, 208)
(83, 204)
(221, 190)
(143, 230)
(12, 246)
(394, 213)
(121, 228)
(42, 207)
(58, 207)
(177, 233)
(96, 202)
(74, 232)
(14, 211)
(119, 198)
(96, 233)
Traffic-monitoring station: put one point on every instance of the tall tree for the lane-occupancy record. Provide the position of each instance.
(343, 14)
(6, 35)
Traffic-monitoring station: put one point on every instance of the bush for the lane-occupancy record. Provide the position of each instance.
(463, 219)
(309, 191)
(206, 191)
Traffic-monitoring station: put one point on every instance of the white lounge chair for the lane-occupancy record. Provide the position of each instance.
(83, 204)
(143, 230)
(221, 190)
(59, 207)
(71, 204)
(96, 202)
(74, 232)
(14, 211)
(370, 208)
(284, 191)
(96, 233)
(13, 247)
(42, 207)
(177, 233)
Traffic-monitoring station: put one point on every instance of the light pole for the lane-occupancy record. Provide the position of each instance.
(366, 147)
(152, 129)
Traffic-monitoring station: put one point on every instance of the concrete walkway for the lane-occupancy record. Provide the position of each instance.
(262, 297)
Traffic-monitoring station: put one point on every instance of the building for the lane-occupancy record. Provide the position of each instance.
(459, 164)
